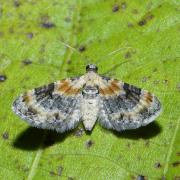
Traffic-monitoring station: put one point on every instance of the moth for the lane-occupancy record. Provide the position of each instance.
(62, 105)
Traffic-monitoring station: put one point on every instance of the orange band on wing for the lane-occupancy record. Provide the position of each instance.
(112, 89)
(66, 88)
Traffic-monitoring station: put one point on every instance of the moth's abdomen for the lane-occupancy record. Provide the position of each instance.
(90, 106)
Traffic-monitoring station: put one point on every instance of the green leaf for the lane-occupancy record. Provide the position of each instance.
(135, 41)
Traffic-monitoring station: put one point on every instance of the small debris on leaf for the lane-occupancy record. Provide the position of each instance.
(157, 165)
(82, 48)
(27, 61)
(89, 143)
(115, 8)
(2, 78)
(5, 135)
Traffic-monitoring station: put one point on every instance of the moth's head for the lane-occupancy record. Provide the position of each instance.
(91, 67)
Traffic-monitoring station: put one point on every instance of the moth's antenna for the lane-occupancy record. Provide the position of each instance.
(67, 45)
(102, 58)
(112, 53)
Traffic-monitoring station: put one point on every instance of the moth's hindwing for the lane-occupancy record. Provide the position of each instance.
(125, 106)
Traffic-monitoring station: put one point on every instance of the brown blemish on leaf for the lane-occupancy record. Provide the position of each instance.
(89, 143)
(176, 163)
(178, 153)
(145, 19)
(157, 165)
(82, 48)
(52, 173)
(17, 3)
(70, 178)
(46, 22)
(27, 62)
(5, 135)
(127, 55)
(115, 8)
(142, 22)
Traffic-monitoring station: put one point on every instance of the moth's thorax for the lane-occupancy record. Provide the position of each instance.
(91, 78)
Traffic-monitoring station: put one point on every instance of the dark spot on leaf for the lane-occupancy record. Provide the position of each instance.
(17, 3)
(115, 8)
(5, 135)
(48, 25)
(30, 35)
(2, 78)
(51, 173)
(127, 55)
(70, 178)
(141, 177)
(175, 164)
(157, 165)
(89, 143)
(79, 132)
(142, 22)
(59, 171)
(178, 153)
(123, 5)
(46, 22)
(165, 81)
(155, 70)
(149, 17)
(27, 61)
(82, 48)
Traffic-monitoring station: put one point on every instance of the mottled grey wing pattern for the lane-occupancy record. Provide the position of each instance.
(125, 106)
(54, 106)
